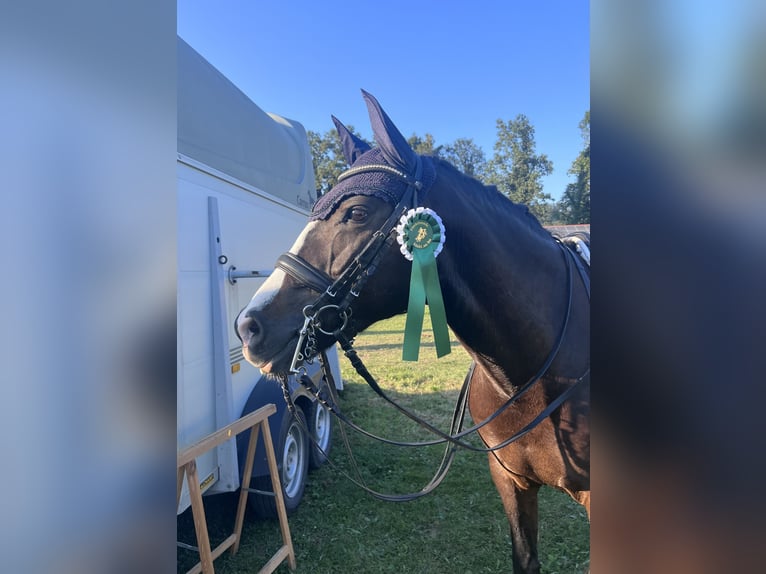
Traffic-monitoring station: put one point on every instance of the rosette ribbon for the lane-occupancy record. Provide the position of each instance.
(420, 234)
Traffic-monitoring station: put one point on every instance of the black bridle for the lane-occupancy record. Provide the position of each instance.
(335, 300)
(336, 297)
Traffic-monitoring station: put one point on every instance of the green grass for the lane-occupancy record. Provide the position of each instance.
(458, 528)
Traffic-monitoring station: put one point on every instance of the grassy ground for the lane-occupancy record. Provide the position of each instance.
(459, 528)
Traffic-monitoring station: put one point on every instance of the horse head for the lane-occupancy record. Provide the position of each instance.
(347, 239)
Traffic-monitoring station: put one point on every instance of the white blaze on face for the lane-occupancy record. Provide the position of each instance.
(273, 284)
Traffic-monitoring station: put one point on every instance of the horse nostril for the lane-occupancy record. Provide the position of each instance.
(249, 329)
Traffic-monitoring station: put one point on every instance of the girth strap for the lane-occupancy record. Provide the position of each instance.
(579, 264)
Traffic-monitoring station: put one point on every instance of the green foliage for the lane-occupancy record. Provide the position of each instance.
(516, 168)
(468, 157)
(575, 203)
(328, 158)
(425, 145)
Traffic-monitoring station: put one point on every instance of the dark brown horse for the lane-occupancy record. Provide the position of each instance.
(509, 292)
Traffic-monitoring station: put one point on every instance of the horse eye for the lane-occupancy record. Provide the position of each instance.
(357, 214)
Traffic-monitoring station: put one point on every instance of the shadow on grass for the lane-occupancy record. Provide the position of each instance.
(397, 346)
(373, 331)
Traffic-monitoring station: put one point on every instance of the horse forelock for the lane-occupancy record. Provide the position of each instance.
(378, 184)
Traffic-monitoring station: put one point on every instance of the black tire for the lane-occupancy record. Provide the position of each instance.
(293, 457)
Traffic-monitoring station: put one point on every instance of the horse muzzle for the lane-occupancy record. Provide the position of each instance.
(266, 345)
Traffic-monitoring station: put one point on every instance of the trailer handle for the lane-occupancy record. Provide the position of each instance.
(233, 274)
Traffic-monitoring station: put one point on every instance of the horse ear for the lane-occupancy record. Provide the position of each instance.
(395, 148)
(353, 146)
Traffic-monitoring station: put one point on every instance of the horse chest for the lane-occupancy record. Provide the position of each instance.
(553, 453)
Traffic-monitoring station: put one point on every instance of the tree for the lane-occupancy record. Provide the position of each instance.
(424, 146)
(575, 202)
(516, 168)
(551, 213)
(328, 158)
(468, 157)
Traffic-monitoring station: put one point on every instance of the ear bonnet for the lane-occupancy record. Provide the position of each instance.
(392, 150)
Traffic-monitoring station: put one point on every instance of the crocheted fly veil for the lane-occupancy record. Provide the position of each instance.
(392, 150)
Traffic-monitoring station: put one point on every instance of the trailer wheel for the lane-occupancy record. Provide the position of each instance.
(292, 452)
(321, 434)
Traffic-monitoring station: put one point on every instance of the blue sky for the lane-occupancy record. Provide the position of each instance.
(446, 68)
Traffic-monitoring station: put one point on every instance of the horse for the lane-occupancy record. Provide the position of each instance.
(509, 295)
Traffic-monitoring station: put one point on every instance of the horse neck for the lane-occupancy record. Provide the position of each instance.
(504, 284)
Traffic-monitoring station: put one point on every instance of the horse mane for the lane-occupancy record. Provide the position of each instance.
(489, 198)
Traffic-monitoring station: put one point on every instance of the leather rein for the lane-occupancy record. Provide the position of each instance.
(333, 308)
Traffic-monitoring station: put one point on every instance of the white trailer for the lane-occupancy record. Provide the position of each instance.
(245, 185)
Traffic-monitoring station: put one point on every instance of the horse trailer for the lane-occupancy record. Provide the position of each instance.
(245, 185)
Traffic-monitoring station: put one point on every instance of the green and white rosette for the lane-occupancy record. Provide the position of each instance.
(420, 234)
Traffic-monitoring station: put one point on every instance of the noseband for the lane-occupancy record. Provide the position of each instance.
(336, 297)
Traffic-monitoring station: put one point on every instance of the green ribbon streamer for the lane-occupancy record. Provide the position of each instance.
(425, 287)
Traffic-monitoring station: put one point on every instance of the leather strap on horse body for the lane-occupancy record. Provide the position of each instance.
(451, 446)
(451, 437)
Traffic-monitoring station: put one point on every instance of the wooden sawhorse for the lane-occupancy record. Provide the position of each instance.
(186, 464)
